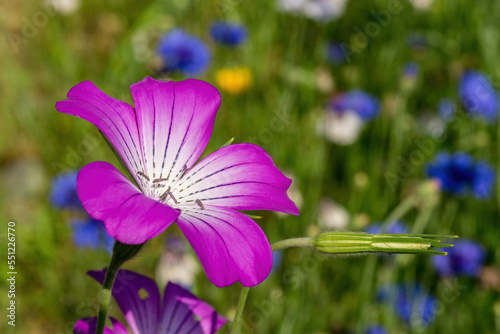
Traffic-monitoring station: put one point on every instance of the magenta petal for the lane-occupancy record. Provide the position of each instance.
(128, 215)
(230, 245)
(116, 119)
(88, 326)
(175, 121)
(240, 177)
(179, 310)
(138, 298)
(118, 328)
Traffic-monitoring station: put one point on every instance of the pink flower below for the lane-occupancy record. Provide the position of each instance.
(139, 299)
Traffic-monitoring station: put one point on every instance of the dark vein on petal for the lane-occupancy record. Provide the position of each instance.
(207, 223)
(184, 320)
(124, 141)
(209, 175)
(225, 221)
(154, 132)
(229, 184)
(122, 203)
(182, 142)
(196, 326)
(126, 127)
(169, 131)
(177, 302)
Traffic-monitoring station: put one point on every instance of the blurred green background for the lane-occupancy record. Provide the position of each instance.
(110, 43)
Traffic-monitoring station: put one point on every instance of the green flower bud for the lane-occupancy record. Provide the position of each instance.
(345, 243)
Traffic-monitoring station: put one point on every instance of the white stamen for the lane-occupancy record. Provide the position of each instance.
(200, 204)
(160, 180)
(164, 195)
(184, 171)
(173, 198)
(142, 174)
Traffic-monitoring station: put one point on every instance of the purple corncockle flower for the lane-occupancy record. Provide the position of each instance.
(159, 142)
(139, 300)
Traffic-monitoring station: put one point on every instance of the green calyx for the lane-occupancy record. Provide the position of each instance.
(122, 253)
(347, 243)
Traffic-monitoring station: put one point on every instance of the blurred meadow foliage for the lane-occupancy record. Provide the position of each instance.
(276, 88)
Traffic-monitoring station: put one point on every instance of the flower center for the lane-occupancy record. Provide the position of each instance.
(154, 189)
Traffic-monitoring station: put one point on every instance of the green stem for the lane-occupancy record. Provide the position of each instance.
(400, 210)
(287, 243)
(235, 327)
(105, 299)
(121, 254)
(422, 220)
(295, 242)
(366, 287)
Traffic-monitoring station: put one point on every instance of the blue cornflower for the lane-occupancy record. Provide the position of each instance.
(394, 227)
(417, 42)
(277, 259)
(415, 306)
(228, 34)
(466, 258)
(478, 95)
(336, 54)
(63, 194)
(412, 304)
(87, 232)
(364, 104)
(90, 233)
(183, 52)
(175, 244)
(376, 330)
(446, 109)
(410, 70)
(459, 174)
